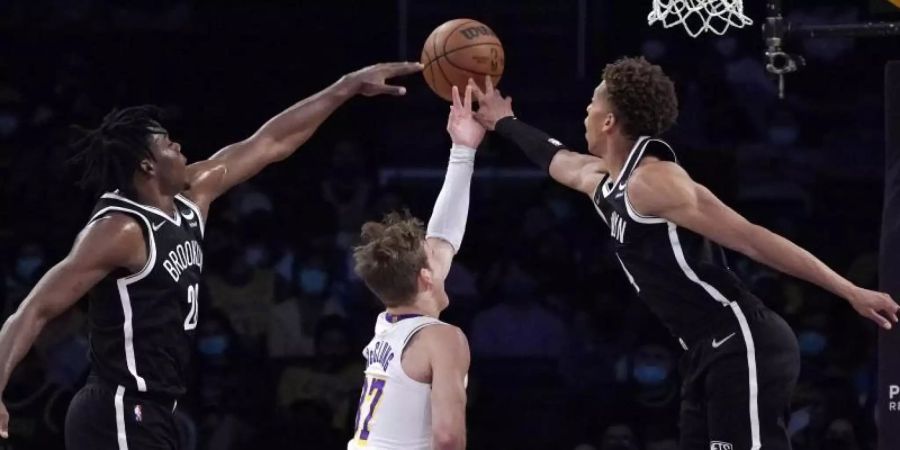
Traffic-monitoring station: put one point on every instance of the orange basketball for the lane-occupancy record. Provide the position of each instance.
(458, 50)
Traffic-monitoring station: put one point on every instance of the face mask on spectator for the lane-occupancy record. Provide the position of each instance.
(812, 343)
(214, 345)
(313, 281)
(27, 265)
(649, 374)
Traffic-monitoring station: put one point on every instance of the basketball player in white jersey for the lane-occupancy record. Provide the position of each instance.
(141, 259)
(741, 360)
(414, 396)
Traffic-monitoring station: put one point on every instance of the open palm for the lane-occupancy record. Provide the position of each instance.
(461, 125)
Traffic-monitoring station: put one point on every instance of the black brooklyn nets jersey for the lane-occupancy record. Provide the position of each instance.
(682, 276)
(142, 324)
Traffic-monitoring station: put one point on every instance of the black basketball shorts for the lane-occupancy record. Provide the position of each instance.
(103, 417)
(738, 383)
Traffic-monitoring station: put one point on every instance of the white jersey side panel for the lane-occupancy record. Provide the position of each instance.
(394, 410)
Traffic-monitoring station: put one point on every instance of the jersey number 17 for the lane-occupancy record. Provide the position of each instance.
(368, 404)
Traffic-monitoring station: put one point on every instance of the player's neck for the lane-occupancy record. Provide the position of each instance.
(618, 149)
(149, 194)
(415, 308)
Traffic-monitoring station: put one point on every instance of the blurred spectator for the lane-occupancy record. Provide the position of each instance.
(519, 325)
(347, 190)
(619, 437)
(245, 290)
(840, 436)
(292, 322)
(330, 380)
(226, 381)
(28, 265)
(652, 388)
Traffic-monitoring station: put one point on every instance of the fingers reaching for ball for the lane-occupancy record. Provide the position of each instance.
(370, 81)
(462, 106)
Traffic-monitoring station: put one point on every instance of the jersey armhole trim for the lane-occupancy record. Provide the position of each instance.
(638, 217)
(409, 337)
(150, 244)
(115, 196)
(125, 298)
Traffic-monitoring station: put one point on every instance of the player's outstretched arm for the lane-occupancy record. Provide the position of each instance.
(109, 243)
(283, 134)
(451, 209)
(664, 189)
(449, 356)
(571, 169)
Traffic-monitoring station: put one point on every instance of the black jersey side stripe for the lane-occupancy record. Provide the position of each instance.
(119, 400)
(678, 251)
(745, 331)
(125, 298)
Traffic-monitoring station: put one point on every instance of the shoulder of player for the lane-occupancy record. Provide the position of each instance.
(656, 185)
(201, 175)
(113, 238)
(113, 225)
(444, 339)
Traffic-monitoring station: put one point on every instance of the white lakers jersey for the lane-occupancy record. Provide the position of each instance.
(394, 410)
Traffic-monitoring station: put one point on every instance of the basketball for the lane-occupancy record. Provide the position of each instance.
(458, 50)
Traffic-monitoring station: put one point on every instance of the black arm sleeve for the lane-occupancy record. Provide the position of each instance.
(538, 146)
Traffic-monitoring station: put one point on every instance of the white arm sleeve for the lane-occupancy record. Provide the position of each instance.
(451, 209)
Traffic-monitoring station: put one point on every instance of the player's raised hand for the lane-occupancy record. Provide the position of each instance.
(875, 306)
(461, 125)
(372, 80)
(492, 106)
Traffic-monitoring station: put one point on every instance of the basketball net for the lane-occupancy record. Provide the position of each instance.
(698, 16)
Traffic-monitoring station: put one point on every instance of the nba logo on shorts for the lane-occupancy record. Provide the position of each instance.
(138, 413)
(716, 445)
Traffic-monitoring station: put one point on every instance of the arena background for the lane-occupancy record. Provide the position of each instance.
(554, 327)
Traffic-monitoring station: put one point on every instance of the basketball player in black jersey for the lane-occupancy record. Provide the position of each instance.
(741, 361)
(141, 258)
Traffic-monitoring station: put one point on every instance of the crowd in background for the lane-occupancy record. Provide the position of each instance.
(564, 354)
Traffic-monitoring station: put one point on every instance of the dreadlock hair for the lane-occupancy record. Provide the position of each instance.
(112, 152)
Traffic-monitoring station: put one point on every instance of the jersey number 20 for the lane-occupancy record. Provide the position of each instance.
(368, 404)
(190, 322)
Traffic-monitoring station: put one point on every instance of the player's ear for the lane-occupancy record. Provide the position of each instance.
(426, 279)
(609, 121)
(147, 167)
